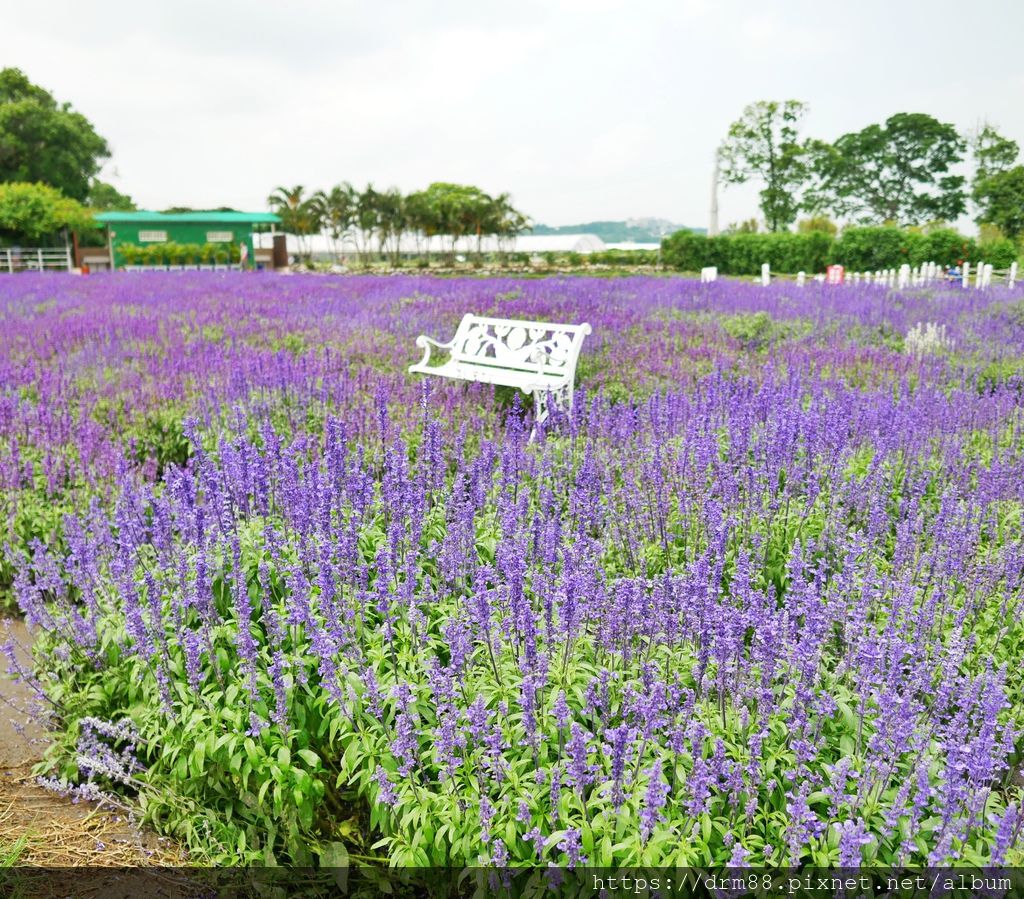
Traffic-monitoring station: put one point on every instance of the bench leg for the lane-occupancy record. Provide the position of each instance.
(544, 400)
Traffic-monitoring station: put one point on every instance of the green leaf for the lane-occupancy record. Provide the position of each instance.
(309, 757)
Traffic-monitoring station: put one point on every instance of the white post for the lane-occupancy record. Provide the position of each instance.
(801, 278)
(867, 277)
(892, 277)
(979, 275)
(39, 258)
(904, 276)
(1013, 275)
(966, 279)
(766, 275)
(10, 263)
(988, 275)
(713, 222)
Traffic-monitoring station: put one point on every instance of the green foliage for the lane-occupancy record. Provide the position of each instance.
(377, 220)
(871, 249)
(747, 226)
(46, 141)
(999, 372)
(744, 253)
(686, 251)
(172, 253)
(36, 516)
(1000, 253)
(758, 330)
(992, 152)
(762, 144)
(623, 257)
(948, 247)
(106, 197)
(817, 223)
(33, 212)
(235, 794)
(1000, 198)
(896, 172)
(859, 249)
(160, 437)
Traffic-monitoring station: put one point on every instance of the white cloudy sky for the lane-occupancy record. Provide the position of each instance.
(582, 109)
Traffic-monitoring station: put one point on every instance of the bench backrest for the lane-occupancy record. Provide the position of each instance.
(539, 347)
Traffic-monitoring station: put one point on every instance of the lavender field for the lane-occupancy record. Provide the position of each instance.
(757, 600)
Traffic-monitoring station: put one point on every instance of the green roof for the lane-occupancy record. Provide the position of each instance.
(145, 217)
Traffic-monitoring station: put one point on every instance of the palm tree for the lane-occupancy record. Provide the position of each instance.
(338, 212)
(300, 215)
(367, 221)
(392, 222)
(421, 218)
(506, 220)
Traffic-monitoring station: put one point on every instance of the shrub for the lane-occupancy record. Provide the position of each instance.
(948, 247)
(130, 254)
(744, 253)
(624, 257)
(859, 249)
(871, 249)
(1001, 253)
(154, 254)
(686, 251)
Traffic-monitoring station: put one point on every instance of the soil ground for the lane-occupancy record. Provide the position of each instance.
(39, 827)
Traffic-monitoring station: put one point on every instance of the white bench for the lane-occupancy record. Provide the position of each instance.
(535, 357)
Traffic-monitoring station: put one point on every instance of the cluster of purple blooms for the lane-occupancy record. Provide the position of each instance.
(764, 607)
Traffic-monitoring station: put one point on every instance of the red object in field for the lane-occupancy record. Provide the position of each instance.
(85, 268)
(834, 274)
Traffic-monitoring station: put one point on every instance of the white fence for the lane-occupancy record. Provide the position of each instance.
(903, 277)
(36, 259)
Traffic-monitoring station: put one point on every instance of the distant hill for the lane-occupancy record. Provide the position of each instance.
(645, 230)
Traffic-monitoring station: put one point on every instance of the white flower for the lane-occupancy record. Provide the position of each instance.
(926, 338)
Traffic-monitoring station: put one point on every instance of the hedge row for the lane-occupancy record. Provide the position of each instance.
(858, 249)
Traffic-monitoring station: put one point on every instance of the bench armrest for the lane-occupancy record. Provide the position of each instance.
(425, 343)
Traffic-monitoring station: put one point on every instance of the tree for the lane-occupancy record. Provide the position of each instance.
(747, 226)
(1000, 199)
(300, 215)
(35, 212)
(762, 144)
(391, 223)
(423, 218)
(992, 152)
(997, 188)
(337, 211)
(367, 221)
(895, 172)
(108, 198)
(456, 210)
(42, 140)
(817, 224)
(506, 222)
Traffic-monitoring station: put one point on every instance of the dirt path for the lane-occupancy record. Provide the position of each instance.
(39, 827)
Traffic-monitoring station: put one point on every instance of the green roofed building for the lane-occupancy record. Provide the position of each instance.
(189, 239)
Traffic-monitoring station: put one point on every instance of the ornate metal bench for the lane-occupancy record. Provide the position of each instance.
(535, 357)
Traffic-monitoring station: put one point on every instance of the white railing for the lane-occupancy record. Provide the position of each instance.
(906, 276)
(35, 259)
